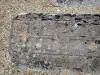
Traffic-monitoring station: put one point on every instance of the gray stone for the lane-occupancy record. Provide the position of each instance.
(75, 2)
(56, 41)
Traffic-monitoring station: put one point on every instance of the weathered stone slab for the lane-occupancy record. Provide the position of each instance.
(75, 2)
(56, 41)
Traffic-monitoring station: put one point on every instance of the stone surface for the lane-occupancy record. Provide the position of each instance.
(76, 2)
(11, 8)
(56, 41)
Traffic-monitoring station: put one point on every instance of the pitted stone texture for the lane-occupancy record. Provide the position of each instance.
(75, 2)
(56, 41)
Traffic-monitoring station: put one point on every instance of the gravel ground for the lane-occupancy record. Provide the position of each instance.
(11, 8)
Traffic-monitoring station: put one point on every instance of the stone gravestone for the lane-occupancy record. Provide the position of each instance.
(75, 2)
(56, 41)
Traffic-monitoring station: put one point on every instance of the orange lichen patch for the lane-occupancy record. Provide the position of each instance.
(92, 46)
